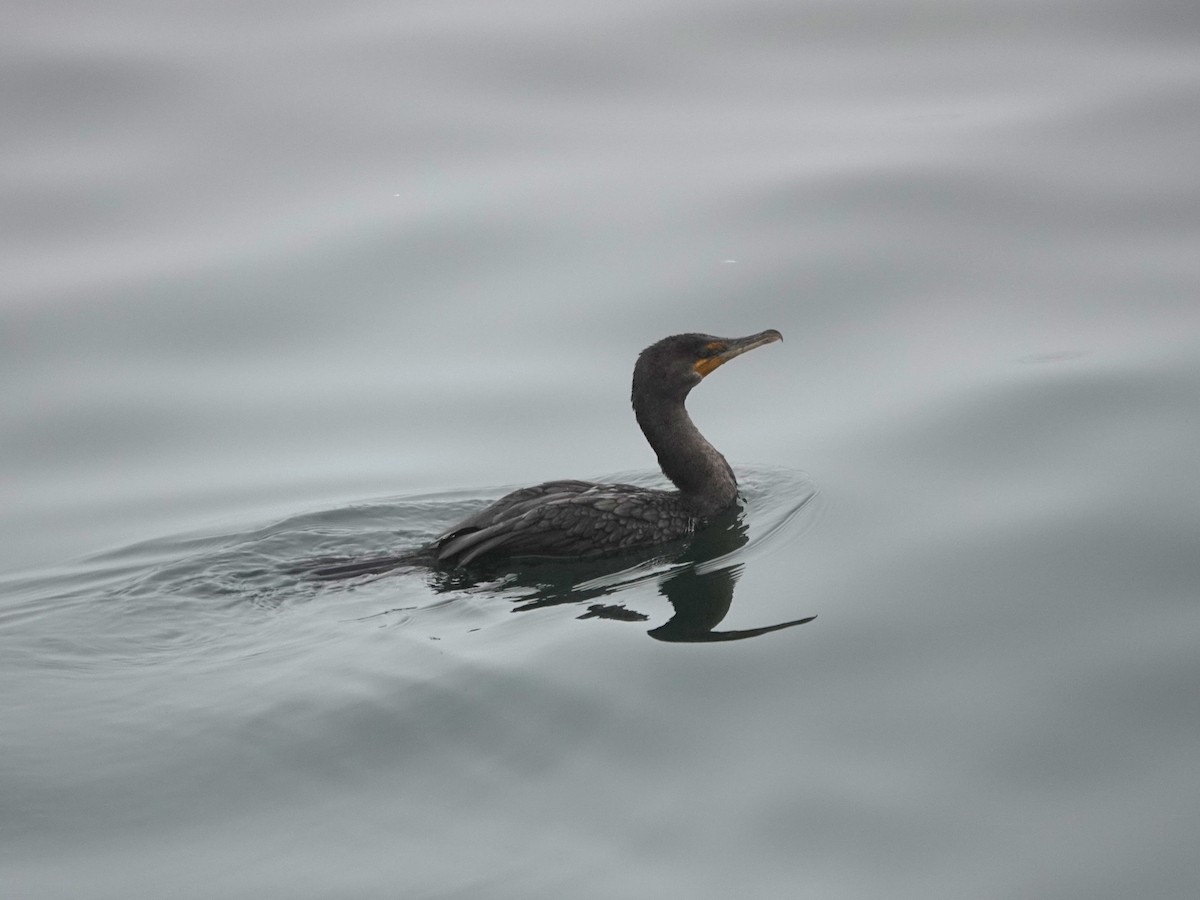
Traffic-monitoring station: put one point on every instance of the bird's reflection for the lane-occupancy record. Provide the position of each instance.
(701, 591)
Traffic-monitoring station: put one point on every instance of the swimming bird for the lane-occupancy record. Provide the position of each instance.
(582, 519)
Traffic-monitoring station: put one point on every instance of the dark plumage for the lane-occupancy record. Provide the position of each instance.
(582, 519)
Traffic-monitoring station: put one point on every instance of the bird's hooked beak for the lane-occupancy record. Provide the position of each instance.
(724, 349)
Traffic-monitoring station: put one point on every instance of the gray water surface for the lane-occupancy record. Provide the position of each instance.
(283, 282)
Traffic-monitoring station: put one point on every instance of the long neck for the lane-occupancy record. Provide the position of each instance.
(691, 462)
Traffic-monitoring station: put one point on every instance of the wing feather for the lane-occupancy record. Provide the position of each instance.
(567, 518)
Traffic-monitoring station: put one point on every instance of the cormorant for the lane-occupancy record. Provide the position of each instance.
(583, 519)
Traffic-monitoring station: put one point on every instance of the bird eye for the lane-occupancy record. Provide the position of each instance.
(712, 348)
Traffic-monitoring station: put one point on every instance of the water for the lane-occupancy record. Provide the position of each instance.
(280, 283)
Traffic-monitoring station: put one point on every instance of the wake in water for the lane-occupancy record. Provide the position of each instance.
(176, 583)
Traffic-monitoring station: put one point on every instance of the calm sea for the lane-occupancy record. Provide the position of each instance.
(288, 281)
